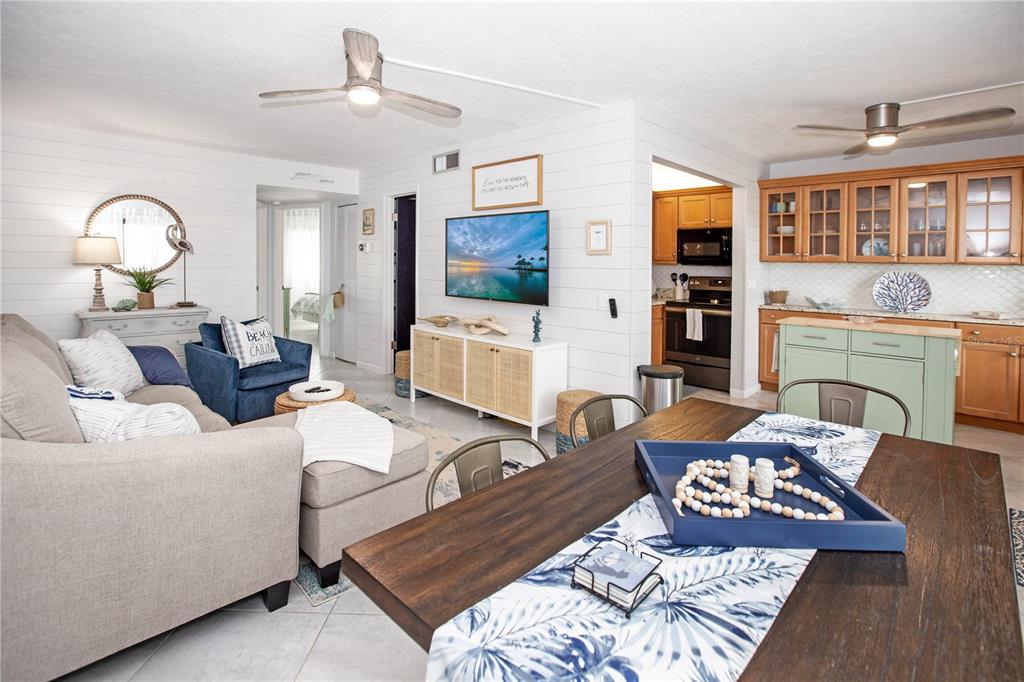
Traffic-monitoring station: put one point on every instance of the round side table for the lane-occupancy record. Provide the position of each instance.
(283, 404)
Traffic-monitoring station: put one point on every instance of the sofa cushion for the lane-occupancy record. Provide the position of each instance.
(325, 484)
(15, 329)
(159, 366)
(271, 374)
(251, 343)
(187, 398)
(102, 361)
(211, 337)
(34, 401)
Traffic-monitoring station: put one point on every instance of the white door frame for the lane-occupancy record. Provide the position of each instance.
(347, 314)
(388, 268)
(277, 272)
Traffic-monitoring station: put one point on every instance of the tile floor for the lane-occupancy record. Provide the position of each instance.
(349, 638)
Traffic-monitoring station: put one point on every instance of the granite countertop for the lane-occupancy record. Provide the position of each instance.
(938, 317)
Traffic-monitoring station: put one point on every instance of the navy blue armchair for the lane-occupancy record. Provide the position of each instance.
(242, 395)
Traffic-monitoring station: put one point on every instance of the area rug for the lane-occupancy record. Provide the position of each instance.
(1017, 543)
(439, 445)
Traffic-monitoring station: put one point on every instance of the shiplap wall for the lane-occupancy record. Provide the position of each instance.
(53, 178)
(670, 139)
(587, 175)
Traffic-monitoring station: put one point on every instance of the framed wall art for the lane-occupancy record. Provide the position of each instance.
(369, 220)
(599, 237)
(510, 183)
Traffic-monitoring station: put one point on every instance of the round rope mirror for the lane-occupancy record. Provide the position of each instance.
(140, 225)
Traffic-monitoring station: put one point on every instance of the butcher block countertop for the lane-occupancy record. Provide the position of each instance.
(882, 328)
(875, 312)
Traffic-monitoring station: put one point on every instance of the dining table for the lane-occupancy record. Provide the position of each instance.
(946, 608)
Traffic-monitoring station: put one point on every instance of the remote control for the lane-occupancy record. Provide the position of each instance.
(613, 308)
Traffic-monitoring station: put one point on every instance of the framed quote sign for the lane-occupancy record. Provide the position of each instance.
(505, 184)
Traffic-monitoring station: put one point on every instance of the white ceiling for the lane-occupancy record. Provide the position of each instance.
(744, 73)
(666, 177)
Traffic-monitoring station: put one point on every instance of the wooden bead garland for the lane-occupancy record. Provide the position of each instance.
(707, 472)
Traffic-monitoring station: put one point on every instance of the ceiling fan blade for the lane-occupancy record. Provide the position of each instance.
(296, 93)
(431, 106)
(815, 126)
(960, 119)
(362, 49)
(857, 149)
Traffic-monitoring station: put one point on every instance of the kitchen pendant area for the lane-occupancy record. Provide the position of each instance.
(691, 302)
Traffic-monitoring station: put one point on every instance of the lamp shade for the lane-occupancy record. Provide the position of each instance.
(96, 251)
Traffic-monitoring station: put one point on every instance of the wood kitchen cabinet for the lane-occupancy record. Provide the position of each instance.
(694, 211)
(721, 209)
(989, 217)
(928, 219)
(780, 224)
(823, 224)
(657, 334)
(873, 226)
(990, 383)
(768, 354)
(663, 241)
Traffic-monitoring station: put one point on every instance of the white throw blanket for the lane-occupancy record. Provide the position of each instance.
(694, 324)
(105, 417)
(345, 432)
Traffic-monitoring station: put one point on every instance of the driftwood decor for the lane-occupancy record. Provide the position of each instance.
(441, 321)
(484, 325)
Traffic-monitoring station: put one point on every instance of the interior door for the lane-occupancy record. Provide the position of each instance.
(405, 270)
(343, 269)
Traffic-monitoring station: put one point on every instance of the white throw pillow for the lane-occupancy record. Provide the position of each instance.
(106, 417)
(252, 344)
(102, 360)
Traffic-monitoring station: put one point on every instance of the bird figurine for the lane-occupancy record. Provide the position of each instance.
(176, 238)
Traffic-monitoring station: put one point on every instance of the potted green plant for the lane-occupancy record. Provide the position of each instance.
(145, 282)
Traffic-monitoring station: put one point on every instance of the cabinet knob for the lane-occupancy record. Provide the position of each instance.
(705, 220)
(1013, 355)
(903, 255)
(1014, 254)
(976, 332)
(712, 220)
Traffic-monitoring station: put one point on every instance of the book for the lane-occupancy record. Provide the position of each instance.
(612, 572)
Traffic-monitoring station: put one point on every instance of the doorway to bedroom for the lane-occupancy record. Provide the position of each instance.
(296, 273)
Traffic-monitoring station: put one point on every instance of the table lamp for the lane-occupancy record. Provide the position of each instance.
(97, 251)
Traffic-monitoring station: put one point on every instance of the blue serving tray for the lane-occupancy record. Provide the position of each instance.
(867, 527)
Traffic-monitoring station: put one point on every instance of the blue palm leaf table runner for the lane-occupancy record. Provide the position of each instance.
(704, 623)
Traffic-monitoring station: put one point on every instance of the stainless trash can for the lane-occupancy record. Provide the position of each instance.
(660, 386)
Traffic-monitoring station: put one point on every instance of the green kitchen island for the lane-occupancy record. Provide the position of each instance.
(917, 364)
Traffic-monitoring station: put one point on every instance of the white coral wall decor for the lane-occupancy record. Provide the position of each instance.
(901, 292)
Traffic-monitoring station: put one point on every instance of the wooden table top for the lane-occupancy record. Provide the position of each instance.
(947, 609)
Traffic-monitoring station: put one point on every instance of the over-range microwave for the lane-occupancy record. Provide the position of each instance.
(704, 247)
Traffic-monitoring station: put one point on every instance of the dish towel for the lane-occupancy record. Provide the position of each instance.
(345, 432)
(694, 324)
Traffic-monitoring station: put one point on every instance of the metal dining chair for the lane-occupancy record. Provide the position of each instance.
(477, 464)
(599, 415)
(843, 402)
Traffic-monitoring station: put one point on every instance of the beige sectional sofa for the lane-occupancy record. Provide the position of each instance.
(104, 545)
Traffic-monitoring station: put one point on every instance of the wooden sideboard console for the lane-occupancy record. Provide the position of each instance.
(507, 376)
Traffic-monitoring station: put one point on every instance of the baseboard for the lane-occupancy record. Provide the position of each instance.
(986, 423)
(745, 392)
(376, 369)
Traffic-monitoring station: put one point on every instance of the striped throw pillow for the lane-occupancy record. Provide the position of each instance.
(102, 360)
(252, 344)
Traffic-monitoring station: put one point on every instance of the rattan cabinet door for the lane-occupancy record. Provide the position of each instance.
(481, 374)
(515, 382)
(449, 366)
(424, 360)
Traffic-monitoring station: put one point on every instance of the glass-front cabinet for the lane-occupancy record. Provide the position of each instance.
(990, 217)
(823, 236)
(874, 217)
(927, 219)
(780, 235)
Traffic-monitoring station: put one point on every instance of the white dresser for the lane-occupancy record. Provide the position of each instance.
(168, 327)
(507, 376)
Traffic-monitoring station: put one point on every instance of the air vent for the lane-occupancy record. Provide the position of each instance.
(446, 162)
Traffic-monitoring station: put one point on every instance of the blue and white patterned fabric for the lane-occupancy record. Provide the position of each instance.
(705, 623)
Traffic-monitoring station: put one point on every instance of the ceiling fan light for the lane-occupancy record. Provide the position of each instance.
(363, 94)
(881, 140)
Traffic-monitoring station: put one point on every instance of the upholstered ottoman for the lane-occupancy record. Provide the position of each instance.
(343, 503)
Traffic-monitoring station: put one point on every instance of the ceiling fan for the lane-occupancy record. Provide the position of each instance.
(882, 127)
(363, 82)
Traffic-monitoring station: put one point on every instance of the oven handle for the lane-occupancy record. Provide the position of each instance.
(713, 313)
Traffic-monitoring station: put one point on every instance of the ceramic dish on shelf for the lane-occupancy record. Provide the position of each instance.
(862, 319)
(879, 246)
(787, 229)
(825, 303)
(315, 391)
(900, 291)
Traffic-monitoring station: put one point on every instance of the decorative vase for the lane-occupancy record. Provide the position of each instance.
(145, 299)
(764, 478)
(739, 473)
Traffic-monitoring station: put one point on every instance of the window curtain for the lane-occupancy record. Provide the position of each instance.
(301, 250)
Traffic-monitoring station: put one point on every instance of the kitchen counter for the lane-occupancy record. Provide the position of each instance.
(905, 329)
(938, 317)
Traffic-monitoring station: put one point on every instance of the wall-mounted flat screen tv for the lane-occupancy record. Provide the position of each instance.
(498, 257)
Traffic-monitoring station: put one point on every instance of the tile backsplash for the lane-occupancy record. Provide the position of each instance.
(956, 289)
(661, 275)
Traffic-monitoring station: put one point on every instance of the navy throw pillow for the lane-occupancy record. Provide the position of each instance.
(159, 366)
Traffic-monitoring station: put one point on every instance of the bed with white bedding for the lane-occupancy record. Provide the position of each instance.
(307, 307)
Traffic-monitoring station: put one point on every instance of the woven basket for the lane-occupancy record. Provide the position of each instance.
(402, 364)
(567, 402)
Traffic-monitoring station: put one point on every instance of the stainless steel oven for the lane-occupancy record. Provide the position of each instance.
(704, 247)
(706, 360)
